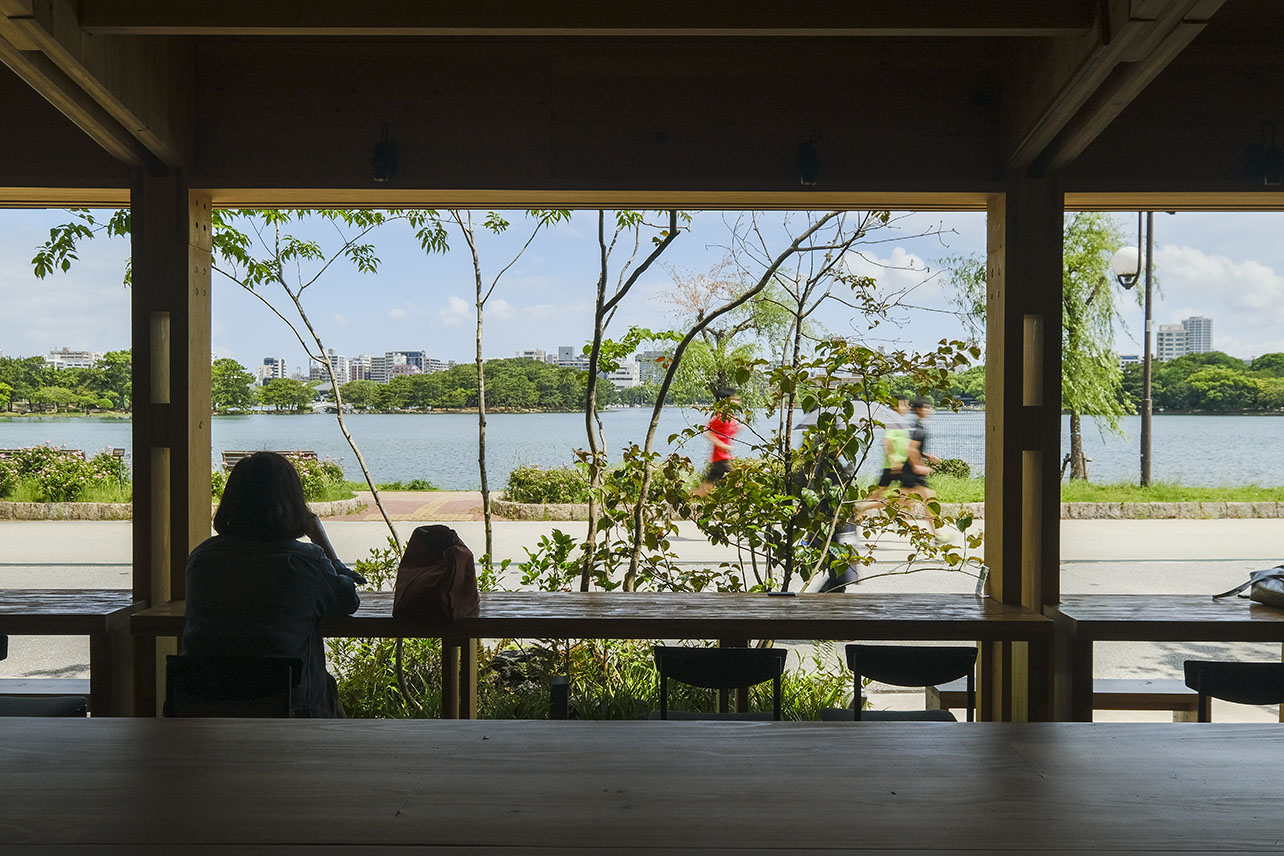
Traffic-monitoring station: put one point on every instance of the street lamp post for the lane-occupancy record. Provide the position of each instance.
(1126, 264)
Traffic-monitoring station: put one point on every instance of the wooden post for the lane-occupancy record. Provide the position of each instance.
(171, 383)
(1023, 434)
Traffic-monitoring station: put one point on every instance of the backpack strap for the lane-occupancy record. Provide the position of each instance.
(1276, 573)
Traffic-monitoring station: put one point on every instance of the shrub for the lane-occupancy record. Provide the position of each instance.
(63, 477)
(323, 480)
(413, 484)
(8, 477)
(218, 481)
(955, 468)
(538, 485)
(107, 467)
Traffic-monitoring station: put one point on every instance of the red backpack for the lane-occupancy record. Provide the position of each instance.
(437, 577)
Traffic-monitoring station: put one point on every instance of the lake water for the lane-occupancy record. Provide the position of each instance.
(442, 447)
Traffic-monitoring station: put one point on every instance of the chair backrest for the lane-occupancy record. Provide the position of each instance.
(720, 669)
(230, 686)
(912, 666)
(40, 705)
(4, 647)
(1240, 683)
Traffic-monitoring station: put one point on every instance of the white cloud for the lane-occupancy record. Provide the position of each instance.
(901, 271)
(1233, 293)
(455, 313)
(340, 320)
(501, 309)
(396, 314)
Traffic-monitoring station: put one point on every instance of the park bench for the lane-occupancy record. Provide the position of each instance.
(1107, 694)
(232, 457)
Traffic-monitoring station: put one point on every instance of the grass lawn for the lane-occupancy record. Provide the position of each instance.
(973, 490)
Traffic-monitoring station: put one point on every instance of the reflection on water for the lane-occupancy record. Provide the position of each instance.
(442, 447)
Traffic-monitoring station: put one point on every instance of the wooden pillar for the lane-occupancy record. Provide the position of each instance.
(171, 383)
(1023, 433)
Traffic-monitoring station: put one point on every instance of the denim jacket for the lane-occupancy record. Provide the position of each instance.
(266, 598)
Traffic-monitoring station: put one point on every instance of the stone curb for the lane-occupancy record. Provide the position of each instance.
(539, 511)
(1069, 510)
(1141, 510)
(125, 510)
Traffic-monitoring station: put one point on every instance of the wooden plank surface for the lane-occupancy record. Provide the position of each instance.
(706, 615)
(1166, 618)
(640, 786)
(63, 612)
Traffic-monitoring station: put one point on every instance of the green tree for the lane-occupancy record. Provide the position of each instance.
(6, 394)
(1221, 389)
(286, 393)
(231, 386)
(1269, 364)
(116, 368)
(361, 394)
(1091, 381)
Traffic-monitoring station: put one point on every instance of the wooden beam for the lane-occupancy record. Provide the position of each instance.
(590, 17)
(1075, 85)
(1023, 426)
(58, 89)
(170, 324)
(141, 84)
(1172, 30)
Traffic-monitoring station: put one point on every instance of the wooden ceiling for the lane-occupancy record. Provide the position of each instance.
(911, 102)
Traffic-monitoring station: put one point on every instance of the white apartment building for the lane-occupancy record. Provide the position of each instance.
(68, 359)
(538, 355)
(628, 375)
(1199, 334)
(1170, 342)
(338, 363)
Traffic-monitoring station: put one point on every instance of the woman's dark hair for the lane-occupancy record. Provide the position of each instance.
(263, 500)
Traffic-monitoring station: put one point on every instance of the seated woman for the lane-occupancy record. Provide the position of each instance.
(255, 590)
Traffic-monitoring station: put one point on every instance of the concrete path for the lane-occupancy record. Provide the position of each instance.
(1109, 556)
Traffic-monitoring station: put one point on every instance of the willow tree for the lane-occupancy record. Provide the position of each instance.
(1091, 380)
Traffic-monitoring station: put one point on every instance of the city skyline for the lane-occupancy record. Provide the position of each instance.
(1226, 266)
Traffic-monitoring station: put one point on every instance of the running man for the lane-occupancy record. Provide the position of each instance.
(721, 433)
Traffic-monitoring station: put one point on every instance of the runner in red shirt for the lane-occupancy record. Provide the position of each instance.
(721, 433)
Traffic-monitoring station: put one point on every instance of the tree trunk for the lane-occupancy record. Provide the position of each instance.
(596, 453)
(1078, 463)
(481, 415)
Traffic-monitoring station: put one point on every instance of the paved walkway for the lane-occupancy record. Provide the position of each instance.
(438, 505)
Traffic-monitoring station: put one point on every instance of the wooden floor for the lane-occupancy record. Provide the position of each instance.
(295, 786)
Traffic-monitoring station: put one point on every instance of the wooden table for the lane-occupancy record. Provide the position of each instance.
(1089, 618)
(138, 786)
(100, 614)
(730, 617)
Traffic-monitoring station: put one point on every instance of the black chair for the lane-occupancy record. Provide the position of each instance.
(35, 705)
(1240, 683)
(907, 666)
(230, 686)
(719, 669)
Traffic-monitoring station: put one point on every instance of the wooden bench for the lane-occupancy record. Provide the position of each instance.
(1107, 694)
(233, 456)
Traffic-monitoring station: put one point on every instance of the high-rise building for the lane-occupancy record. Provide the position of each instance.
(538, 355)
(434, 365)
(1170, 342)
(570, 358)
(1199, 334)
(338, 363)
(409, 358)
(359, 367)
(271, 369)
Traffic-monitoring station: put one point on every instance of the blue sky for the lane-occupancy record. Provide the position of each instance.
(1229, 267)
